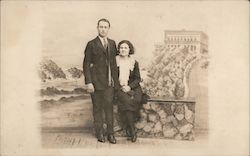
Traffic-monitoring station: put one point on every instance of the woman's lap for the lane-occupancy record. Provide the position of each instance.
(128, 102)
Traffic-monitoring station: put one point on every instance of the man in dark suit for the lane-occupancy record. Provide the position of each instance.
(101, 78)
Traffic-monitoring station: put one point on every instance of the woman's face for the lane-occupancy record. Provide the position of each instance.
(124, 49)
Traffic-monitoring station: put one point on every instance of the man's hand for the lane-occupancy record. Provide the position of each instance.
(90, 88)
(126, 89)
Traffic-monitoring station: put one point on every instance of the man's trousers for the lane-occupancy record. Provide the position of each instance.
(103, 102)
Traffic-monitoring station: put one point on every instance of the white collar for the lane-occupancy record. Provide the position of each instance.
(103, 38)
(131, 61)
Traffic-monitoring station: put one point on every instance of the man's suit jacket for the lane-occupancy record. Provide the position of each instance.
(95, 64)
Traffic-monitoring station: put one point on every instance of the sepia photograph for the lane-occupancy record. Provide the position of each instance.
(124, 78)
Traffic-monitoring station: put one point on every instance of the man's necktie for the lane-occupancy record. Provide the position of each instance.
(105, 44)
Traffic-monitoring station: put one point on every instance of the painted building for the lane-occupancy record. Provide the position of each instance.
(194, 40)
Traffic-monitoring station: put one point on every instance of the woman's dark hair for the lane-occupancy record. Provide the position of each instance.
(130, 45)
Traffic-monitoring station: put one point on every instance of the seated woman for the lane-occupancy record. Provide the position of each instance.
(130, 94)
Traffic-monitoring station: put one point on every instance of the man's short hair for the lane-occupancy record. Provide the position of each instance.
(104, 20)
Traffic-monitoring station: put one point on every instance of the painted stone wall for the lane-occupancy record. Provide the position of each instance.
(163, 119)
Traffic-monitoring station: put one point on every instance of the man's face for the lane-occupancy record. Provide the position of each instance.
(103, 28)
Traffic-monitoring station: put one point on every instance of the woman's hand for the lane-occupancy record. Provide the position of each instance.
(126, 89)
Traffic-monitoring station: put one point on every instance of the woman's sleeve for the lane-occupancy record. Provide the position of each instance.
(136, 76)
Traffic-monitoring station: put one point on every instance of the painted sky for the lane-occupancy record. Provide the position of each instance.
(68, 26)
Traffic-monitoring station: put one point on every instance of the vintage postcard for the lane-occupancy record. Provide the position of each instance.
(124, 78)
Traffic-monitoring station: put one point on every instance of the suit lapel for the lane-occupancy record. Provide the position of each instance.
(99, 44)
(108, 45)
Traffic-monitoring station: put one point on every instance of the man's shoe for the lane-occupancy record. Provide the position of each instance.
(128, 134)
(101, 138)
(134, 137)
(111, 139)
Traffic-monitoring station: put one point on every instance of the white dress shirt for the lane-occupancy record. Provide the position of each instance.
(102, 40)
